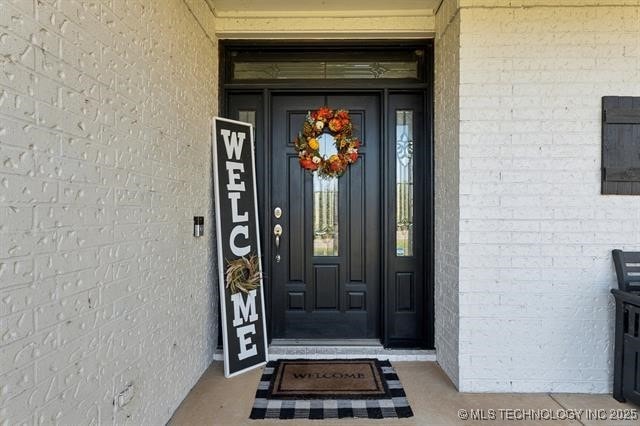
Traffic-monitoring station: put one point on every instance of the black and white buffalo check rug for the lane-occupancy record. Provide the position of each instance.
(330, 389)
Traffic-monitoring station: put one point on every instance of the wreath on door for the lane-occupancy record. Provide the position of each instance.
(338, 124)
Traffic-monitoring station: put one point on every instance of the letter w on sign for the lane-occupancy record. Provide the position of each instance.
(244, 331)
(233, 143)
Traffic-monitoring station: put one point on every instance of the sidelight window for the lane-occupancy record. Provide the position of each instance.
(247, 116)
(404, 183)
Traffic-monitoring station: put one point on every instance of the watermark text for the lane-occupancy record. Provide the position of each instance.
(547, 414)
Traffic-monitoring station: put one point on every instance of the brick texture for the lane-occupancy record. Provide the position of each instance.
(105, 111)
(447, 175)
(535, 233)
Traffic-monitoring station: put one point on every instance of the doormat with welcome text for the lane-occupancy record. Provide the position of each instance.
(330, 389)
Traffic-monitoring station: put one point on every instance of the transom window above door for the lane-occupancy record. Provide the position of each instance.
(328, 63)
(324, 70)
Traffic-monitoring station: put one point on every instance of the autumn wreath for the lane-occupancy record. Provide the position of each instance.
(338, 124)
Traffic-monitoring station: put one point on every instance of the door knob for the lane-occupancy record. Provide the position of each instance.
(277, 231)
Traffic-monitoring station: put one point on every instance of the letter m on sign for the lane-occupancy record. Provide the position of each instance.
(244, 311)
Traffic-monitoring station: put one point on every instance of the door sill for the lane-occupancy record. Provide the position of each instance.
(345, 352)
(326, 342)
(349, 352)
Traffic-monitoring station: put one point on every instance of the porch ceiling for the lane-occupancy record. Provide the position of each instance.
(332, 7)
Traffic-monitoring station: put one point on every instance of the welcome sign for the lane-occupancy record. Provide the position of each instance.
(244, 332)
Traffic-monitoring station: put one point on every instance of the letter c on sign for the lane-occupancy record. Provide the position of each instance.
(239, 230)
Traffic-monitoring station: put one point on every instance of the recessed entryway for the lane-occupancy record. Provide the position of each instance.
(353, 255)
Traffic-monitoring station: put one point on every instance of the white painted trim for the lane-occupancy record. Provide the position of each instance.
(380, 356)
(312, 27)
(216, 191)
(396, 355)
(259, 14)
(527, 4)
(364, 35)
(332, 343)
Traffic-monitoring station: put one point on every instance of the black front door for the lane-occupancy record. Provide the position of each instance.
(325, 283)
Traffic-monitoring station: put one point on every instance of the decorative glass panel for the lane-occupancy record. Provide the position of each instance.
(404, 183)
(369, 70)
(325, 206)
(324, 70)
(276, 70)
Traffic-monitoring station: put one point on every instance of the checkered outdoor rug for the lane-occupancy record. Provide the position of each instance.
(393, 404)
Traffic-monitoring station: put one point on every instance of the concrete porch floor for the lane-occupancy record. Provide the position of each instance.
(218, 401)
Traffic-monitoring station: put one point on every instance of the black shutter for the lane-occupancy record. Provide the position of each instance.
(621, 145)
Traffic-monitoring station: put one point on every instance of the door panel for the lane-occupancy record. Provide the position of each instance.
(324, 294)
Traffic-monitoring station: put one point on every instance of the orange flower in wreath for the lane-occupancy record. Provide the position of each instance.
(322, 114)
(335, 125)
(335, 163)
(308, 164)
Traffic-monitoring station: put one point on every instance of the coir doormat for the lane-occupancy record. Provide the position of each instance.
(329, 389)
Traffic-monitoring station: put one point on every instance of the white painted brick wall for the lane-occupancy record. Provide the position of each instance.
(105, 113)
(535, 233)
(447, 175)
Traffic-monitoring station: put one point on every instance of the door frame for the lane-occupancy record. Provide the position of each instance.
(264, 90)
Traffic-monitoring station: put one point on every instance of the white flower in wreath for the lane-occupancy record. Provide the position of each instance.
(315, 160)
(302, 154)
(319, 125)
(352, 150)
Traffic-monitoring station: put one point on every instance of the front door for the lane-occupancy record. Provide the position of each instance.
(326, 269)
(355, 255)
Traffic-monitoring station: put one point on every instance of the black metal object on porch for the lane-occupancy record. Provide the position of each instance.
(627, 269)
(626, 375)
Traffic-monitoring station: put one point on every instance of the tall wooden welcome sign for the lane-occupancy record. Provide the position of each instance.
(244, 331)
